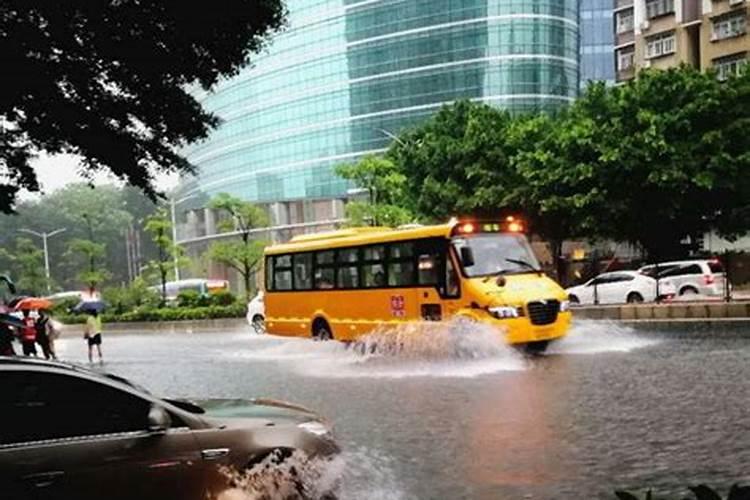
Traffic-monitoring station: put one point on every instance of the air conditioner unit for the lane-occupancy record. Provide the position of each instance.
(645, 25)
(647, 63)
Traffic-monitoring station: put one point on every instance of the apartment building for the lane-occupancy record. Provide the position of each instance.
(665, 33)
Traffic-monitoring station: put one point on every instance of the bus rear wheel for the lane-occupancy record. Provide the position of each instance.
(321, 330)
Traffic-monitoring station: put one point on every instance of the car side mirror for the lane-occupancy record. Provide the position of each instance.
(467, 257)
(158, 420)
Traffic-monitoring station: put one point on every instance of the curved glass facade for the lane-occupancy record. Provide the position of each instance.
(348, 73)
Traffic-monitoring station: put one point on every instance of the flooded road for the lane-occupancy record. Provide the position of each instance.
(463, 416)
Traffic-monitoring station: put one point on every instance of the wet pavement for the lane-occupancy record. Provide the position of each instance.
(457, 414)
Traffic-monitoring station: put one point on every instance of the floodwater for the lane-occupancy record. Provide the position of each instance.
(454, 413)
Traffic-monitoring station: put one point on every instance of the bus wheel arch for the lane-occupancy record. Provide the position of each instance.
(321, 329)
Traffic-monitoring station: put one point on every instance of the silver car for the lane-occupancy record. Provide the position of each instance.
(70, 432)
(691, 277)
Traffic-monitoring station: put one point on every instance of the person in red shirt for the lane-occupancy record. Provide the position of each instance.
(28, 335)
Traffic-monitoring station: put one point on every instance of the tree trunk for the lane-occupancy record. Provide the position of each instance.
(558, 262)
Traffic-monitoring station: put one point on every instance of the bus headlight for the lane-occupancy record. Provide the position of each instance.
(565, 306)
(501, 312)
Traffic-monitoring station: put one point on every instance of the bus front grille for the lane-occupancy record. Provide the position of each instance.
(543, 312)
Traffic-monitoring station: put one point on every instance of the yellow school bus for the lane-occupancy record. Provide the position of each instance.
(343, 284)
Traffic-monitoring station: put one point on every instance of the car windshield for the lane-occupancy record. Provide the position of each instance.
(498, 253)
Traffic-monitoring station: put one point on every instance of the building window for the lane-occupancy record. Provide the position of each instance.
(660, 45)
(624, 21)
(729, 26)
(625, 59)
(656, 8)
(729, 65)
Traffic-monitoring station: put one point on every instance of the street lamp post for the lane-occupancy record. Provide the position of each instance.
(44, 237)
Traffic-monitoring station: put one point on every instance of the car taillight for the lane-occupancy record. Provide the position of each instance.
(709, 279)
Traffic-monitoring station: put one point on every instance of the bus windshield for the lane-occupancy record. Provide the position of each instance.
(498, 253)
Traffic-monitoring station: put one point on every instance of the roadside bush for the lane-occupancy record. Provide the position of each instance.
(222, 298)
(236, 310)
(192, 298)
(126, 298)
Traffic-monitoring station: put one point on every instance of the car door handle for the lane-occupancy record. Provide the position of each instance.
(214, 453)
(44, 479)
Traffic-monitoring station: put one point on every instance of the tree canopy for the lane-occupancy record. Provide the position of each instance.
(109, 81)
(245, 254)
(650, 162)
(110, 211)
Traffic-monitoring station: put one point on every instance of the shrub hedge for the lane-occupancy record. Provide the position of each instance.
(236, 310)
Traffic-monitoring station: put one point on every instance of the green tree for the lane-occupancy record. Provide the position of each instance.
(159, 226)
(384, 184)
(246, 254)
(111, 211)
(26, 261)
(88, 254)
(457, 163)
(667, 156)
(109, 81)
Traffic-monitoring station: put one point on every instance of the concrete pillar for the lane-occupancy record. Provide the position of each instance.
(210, 217)
(192, 224)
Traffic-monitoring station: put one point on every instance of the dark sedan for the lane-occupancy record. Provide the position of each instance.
(69, 432)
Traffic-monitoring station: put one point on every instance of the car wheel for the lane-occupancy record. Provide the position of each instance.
(321, 330)
(258, 323)
(635, 298)
(688, 290)
(574, 299)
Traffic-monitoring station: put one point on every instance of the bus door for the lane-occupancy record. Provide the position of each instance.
(438, 280)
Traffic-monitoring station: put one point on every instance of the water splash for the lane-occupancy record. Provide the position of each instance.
(359, 474)
(593, 337)
(435, 349)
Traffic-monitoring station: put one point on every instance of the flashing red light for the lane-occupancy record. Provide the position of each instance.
(510, 218)
(467, 228)
(515, 227)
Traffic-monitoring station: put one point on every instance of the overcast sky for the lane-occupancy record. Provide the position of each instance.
(57, 171)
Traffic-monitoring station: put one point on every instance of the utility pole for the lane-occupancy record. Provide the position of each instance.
(44, 237)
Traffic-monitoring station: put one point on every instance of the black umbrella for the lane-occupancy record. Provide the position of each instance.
(90, 306)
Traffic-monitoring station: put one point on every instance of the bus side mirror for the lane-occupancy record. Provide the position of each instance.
(467, 256)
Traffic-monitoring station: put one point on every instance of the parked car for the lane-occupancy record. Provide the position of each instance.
(70, 432)
(619, 287)
(696, 277)
(256, 313)
(199, 285)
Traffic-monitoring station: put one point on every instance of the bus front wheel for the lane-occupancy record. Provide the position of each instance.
(321, 330)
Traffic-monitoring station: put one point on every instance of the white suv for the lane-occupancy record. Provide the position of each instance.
(697, 277)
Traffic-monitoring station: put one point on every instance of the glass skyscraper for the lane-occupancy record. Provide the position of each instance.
(348, 74)
(597, 41)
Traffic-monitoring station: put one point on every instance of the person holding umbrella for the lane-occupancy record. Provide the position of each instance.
(93, 330)
(93, 333)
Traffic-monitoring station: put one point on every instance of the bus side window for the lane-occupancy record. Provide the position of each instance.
(401, 264)
(282, 275)
(372, 269)
(348, 270)
(325, 270)
(303, 271)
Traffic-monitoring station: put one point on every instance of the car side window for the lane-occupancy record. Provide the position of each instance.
(45, 405)
(682, 271)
